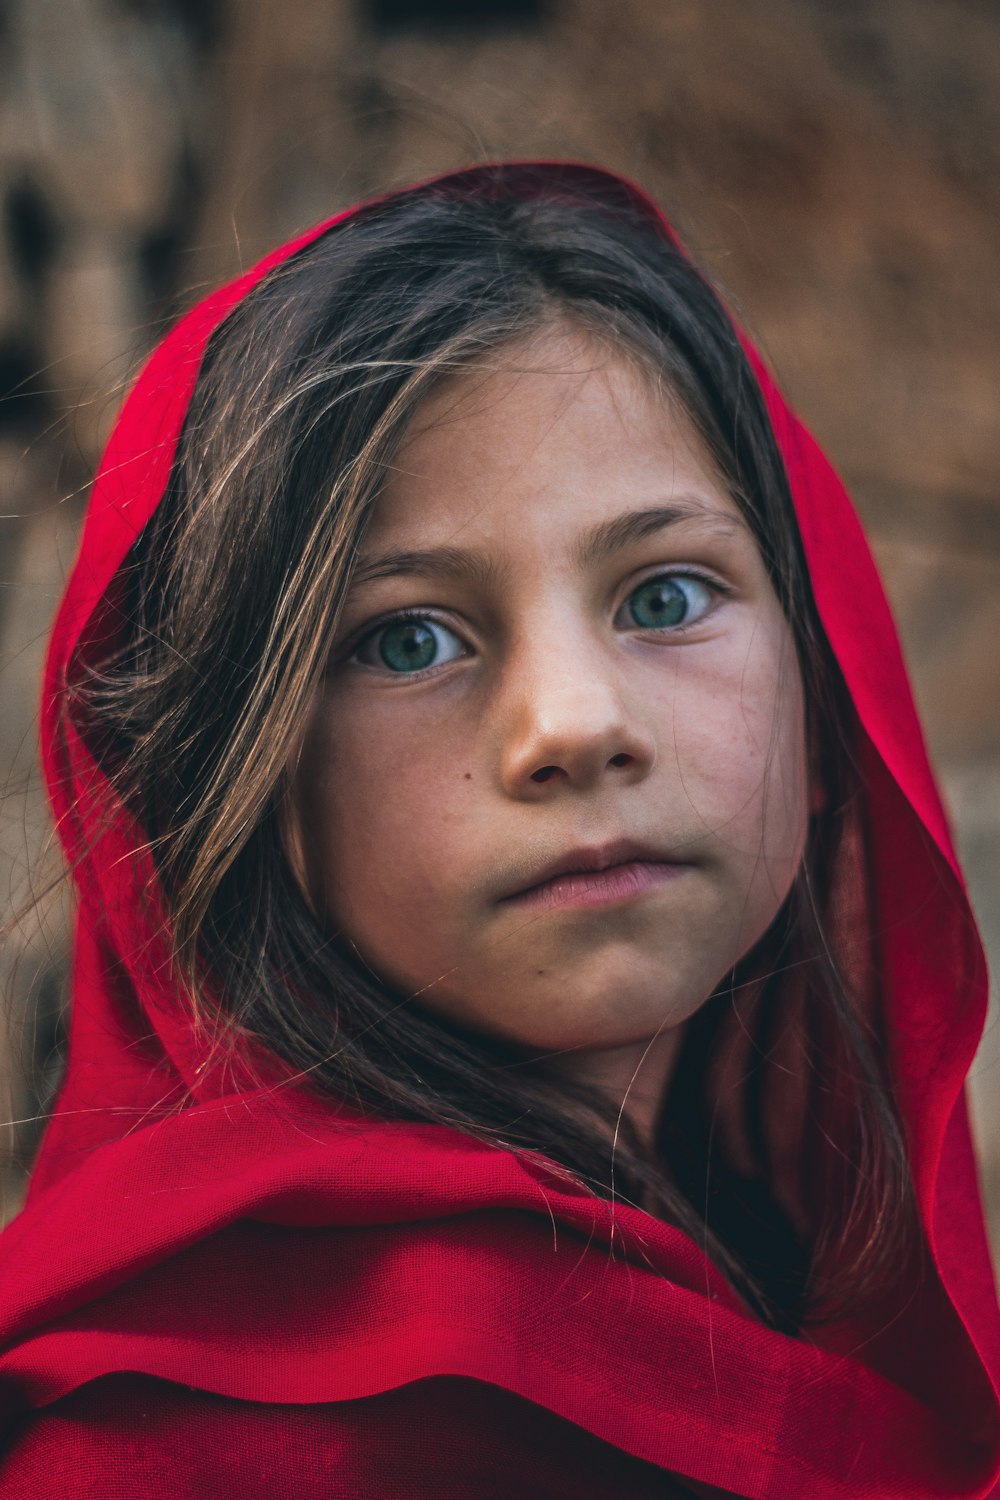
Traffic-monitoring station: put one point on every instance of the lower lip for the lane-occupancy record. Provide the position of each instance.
(599, 887)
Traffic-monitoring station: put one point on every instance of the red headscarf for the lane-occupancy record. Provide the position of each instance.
(222, 1289)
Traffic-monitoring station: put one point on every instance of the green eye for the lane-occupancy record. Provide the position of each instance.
(409, 645)
(671, 599)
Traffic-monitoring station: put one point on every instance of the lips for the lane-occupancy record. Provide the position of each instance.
(586, 861)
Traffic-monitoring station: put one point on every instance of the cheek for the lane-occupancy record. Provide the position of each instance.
(383, 820)
(737, 740)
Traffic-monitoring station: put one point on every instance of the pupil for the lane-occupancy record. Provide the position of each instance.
(408, 647)
(661, 602)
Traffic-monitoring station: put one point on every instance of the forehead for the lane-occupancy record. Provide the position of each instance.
(542, 440)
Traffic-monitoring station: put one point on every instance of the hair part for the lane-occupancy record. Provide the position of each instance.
(306, 393)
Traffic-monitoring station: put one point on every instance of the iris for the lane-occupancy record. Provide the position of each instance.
(408, 646)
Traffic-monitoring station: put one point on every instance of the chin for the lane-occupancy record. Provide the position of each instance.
(595, 1030)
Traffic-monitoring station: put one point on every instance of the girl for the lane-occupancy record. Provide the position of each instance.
(523, 984)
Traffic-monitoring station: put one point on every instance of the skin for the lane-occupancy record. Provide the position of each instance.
(552, 719)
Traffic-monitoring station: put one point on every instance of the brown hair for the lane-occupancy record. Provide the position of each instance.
(231, 600)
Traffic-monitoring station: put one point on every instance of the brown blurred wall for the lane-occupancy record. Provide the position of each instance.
(835, 162)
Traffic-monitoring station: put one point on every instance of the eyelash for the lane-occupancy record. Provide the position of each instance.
(421, 616)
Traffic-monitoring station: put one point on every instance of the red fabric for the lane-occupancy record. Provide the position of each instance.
(219, 1288)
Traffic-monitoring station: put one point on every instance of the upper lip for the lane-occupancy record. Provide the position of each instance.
(588, 860)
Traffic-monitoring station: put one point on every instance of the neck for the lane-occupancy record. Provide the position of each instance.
(633, 1078)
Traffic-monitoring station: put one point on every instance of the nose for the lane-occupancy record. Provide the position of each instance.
(568, 722)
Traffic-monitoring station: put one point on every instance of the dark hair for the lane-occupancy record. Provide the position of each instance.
(231, 607)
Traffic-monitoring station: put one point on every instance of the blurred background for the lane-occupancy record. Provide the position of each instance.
(835, 163)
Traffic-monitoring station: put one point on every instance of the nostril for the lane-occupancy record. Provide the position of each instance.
(619, 760)
(544, 773)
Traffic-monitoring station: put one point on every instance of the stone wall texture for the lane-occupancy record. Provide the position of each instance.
(835, 162)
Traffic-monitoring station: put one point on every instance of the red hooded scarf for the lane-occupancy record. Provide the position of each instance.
(218, 1289)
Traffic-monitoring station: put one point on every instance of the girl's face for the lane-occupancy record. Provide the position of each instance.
(562, 650)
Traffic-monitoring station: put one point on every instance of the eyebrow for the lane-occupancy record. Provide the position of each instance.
(596, 545)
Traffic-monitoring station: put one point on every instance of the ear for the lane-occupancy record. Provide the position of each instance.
(819, 792)
(295, 842)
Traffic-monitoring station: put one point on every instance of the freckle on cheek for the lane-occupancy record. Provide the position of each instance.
(468, 775)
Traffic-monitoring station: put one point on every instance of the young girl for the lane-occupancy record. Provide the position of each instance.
(523, 984)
